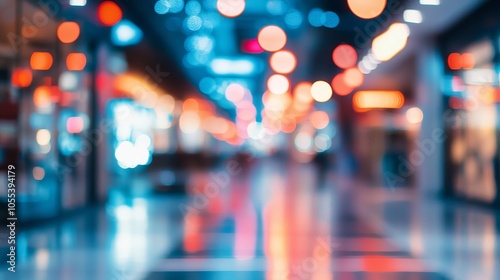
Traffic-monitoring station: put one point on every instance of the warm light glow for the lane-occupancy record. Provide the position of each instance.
(468, 61)
(76, 61)
(390, 43)
(344, 56)
(302, 92)
(272, 38)
(41, 96)
(68, 31)
(109, 13)
(319, 119)
(43, 137)
(74, 125)
(21, 78)
(366, 100)
(283, 62)
(235, 92)
(230, 8)
(455, 61)
(278, 84)
(41, 61)
(414, 115)
(353, 77)
(367, 9)
(190, 104)
(339, 85)
(321, 91)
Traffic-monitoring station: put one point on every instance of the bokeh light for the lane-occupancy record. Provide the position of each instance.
(235, 92)
(76, 61)
(68, 31)
(283, 62)
(319, 119)
(367, 9)
(43, 137)
(189, 122)
(302, 92)
(330, 19)
(321, 91)
(353, 77)
(21, 77)
(414, 115)
(109, 13)
(339, 85)
(41, 96)
(455, 61)
(344, 56)
(38, 173)
(231, 8)
(390, 43)
(468, 61)
(272, 38)
(278, 84)
(41, 61)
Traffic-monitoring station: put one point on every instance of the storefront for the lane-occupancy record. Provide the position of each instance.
(471, 53)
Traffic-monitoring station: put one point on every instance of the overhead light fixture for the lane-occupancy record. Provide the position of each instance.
(412, 16)
(430, 2)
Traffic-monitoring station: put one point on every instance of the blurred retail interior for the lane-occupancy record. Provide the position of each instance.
(259, 139)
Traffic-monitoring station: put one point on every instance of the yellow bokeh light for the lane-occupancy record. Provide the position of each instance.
(283, 62)
(319, 119)
(367, 9)
(390, 43)
(321, 91)
(278, 84)
(189, 122)
(43, 137)
(272, 38)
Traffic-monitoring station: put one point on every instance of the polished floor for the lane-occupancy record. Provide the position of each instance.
(271, 220)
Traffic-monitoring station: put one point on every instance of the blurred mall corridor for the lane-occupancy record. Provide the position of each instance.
(249, 139)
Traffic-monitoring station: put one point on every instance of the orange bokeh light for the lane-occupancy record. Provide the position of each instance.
(190, 104)
(109, 13)
(367, 9)
(353, 77)
(76, 61)
(272, 38)
(319, 119)
(231, 8)
(42, 96)
(22, 78)
(302, 92)
(339, 85)
(455, 61)
(41, 61)
(235, 92)
(283, 62)
(68, 31)
(345, 56)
